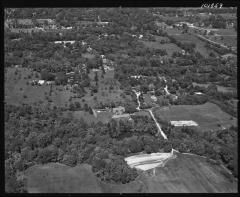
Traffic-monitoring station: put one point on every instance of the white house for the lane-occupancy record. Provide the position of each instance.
(41, 82)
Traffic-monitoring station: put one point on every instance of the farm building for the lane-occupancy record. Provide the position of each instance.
(118, 110)
(198, 93)
(149, 161)
(181, 123)
(125, 116)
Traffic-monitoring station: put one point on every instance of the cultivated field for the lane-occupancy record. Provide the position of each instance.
(185, 173)
(207, 116)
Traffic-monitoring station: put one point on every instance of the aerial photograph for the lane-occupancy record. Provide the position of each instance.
(120, 100)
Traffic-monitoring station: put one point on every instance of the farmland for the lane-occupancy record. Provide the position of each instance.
(16, 88)
(200, 45)
(208, 116)
(186, 173)
(124, 82)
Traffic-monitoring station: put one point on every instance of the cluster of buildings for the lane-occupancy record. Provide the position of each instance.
(117, 112)
(42, 82)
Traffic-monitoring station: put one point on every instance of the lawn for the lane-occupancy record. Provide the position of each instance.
(16, 89)
(219, 88)
(207, 116)
(184, 174)
(200, 45)
(60, 96)
(169, 47)
(88, 55)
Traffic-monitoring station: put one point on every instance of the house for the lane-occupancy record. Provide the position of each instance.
(41, 82)
(198, 93)
(140, 36)
(118, 110)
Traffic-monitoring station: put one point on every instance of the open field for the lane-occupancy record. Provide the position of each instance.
(170, 47)
(200, 45)
(184, 174)
(207, 116)
(60, 97)
(142, 113)
(228, 16)
(188, 173)
(173, 31)
(16, 89)
(219, 88)
(14, 95)
(103, 117)
(225, 36)
(159, 38)
(88, 55)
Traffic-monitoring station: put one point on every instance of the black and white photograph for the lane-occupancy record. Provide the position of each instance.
(120, 99)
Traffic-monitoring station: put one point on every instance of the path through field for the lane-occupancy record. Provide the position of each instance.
(158, 125)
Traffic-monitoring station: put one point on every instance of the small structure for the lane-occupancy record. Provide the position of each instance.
(70, 73)
(118, 110)
(106, 68)
(41, 82)
(50, 82)
(198, 93)
(154, 98)
(181, 123)
(149, 161)
(140, 36)
(125, 116)
(89, 49)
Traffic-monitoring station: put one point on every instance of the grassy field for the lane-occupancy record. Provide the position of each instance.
(207, 116)
(184, 174)
(58, 178)
(16, 89)
(225, 36)
(219, 88)
(173, 31)
(103, 117)
(190, 174)
(200, 45)
(88, 55)
(159, 38)
(170, 47)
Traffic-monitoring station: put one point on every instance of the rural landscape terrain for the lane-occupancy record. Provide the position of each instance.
(120, 100)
